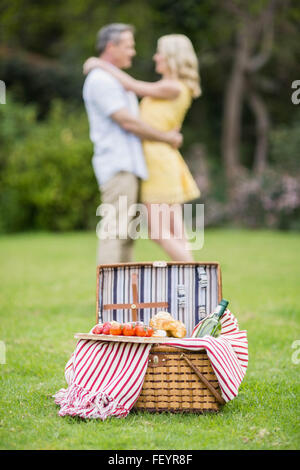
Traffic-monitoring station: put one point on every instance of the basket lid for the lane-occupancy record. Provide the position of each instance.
(136, 291)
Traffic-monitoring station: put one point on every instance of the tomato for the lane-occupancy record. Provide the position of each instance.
(149, 331)
(115, 329)
(129, 329)
(140, 330)
(97, 330)
(106, 328)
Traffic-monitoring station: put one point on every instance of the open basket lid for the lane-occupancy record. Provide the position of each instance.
(189, 291)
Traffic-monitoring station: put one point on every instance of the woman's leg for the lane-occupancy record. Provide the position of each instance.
(178, 229)
(161, 229)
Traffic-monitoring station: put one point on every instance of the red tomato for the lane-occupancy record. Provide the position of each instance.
(140, 330)
(106, 328)
(129, 329)
(115, 329)
(149, 331)
(97, 330)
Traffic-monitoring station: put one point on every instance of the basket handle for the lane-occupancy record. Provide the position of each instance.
(215, 393)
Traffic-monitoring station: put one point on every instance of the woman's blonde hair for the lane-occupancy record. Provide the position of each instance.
(181, 59)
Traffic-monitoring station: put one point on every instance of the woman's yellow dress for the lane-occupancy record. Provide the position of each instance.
(170, 180)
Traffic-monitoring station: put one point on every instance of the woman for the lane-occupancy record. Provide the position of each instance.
(164, 106)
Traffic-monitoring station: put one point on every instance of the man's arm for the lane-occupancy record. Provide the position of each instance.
(143, 130)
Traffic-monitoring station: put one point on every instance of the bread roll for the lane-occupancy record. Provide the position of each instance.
(177, 329)
(165, 321)
(160, 320)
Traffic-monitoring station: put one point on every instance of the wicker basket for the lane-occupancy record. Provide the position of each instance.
(176, 380)
(179, 381)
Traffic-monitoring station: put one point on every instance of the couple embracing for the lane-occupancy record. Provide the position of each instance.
(136, 145)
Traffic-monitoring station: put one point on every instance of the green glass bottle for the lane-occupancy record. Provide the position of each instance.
(211, 324)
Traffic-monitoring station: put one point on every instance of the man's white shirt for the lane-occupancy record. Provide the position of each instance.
(114, 148)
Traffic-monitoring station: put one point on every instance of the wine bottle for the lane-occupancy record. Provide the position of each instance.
(211, 324)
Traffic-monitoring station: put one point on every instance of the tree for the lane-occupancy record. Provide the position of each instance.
(253, 48)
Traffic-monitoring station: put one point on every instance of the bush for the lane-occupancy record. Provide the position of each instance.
(47, 178)
(272, 201)
(285, 144)
(34, 79)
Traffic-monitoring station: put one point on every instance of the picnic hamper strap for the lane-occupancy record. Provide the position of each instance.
(134, 296)
(135, 303)
(204, 380)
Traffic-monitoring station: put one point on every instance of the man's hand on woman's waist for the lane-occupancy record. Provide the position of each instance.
(144, 131)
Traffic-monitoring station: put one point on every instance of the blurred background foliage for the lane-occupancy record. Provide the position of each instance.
(241, 137)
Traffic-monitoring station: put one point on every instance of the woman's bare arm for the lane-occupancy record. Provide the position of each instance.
(164, 89)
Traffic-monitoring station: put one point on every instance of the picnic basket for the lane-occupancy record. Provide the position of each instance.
(176, 380)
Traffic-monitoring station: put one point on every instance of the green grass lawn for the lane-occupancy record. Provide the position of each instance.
(48, 292)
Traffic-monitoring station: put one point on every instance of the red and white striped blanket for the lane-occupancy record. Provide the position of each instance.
(105, 378)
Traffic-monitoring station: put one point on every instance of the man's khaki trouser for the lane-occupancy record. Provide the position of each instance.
(117, 250)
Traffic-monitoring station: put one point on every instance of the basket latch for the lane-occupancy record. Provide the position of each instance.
(159, 264)
(156, 360)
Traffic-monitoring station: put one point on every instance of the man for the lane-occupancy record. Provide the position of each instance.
(115, 131)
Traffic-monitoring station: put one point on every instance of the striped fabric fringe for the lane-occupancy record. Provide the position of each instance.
(105, 378)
